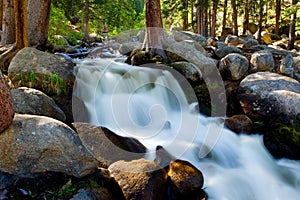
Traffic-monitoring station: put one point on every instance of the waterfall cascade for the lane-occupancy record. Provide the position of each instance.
(149, 104)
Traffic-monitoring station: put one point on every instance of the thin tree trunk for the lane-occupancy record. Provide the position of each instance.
(192, 15)
(205, 20)
(214, 18)
(277, 16)
(8, 25)
(246, 17)
(1, 14)
(224, 17)
(260, 20)
(291, 43)
(234, 18)
(185, 14)
(86, 20)
(38, 14)
(154, 38)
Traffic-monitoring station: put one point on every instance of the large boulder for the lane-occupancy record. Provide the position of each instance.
(32, 101)
(39, 144)
(262, 61)
(49, 73)
(106, 146)
(232, 40)
(287, 66)
(6, 105)
(188, 51)
(140, 179)
(222, 51)
(189, 70)
(265, 95)
(235, 65)
(187, 35)
(127, 48)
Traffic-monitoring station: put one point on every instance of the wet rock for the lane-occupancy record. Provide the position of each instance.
(162, 157)
(235, 65)
(140, 179)
(239, 124)
(6, 105)
(186, 180)
(106, 146)
(262, 61)
(39, 144)
(265, 95)
(287, 66)
(32, 101)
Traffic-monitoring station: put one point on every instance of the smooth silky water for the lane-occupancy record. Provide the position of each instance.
(150, 105)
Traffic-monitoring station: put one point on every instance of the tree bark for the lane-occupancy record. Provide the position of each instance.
(86, 20)
(246, 17)
(214, 18)
(185, 14)
(38, 14)
(1, 14)
(234, 18)
(277, 16)
(224, 17)
(8, 25)
(154, 38)
(291, 43)
(260, 20)
(21, 24)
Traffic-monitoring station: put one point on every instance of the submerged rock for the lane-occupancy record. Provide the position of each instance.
(39, 144)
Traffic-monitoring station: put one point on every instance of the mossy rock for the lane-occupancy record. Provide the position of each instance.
(283, 140)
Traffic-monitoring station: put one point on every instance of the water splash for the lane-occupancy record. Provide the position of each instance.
(150, 105)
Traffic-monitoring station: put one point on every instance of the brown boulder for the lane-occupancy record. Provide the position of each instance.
(140, 179)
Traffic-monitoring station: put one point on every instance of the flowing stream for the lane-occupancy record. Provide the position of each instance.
(150, 105)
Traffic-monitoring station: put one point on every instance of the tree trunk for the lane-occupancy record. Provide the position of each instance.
(185, 14)
(224, 17)
(86, 20)
(1, 14)
(234, 18)
(8, 25)
(260, 20)
(214, 18)
(154, 38)
(20, 34)
(21, 24)
(246, 17)
(291, 43)
(277, 16)
(205, 20)
(38, 14)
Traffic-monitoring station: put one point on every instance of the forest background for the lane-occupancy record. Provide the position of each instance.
(78, 19)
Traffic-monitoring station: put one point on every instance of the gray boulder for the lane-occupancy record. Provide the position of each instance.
(222, 51)
(265, 95)
(287, 66)
(35, 144)
(32, 101)
(237, 65)
(262, 61)
(127, 48)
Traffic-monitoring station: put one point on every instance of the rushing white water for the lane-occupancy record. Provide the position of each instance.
(150, 105)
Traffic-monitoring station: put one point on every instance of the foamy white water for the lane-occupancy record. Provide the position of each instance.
(150, 105)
